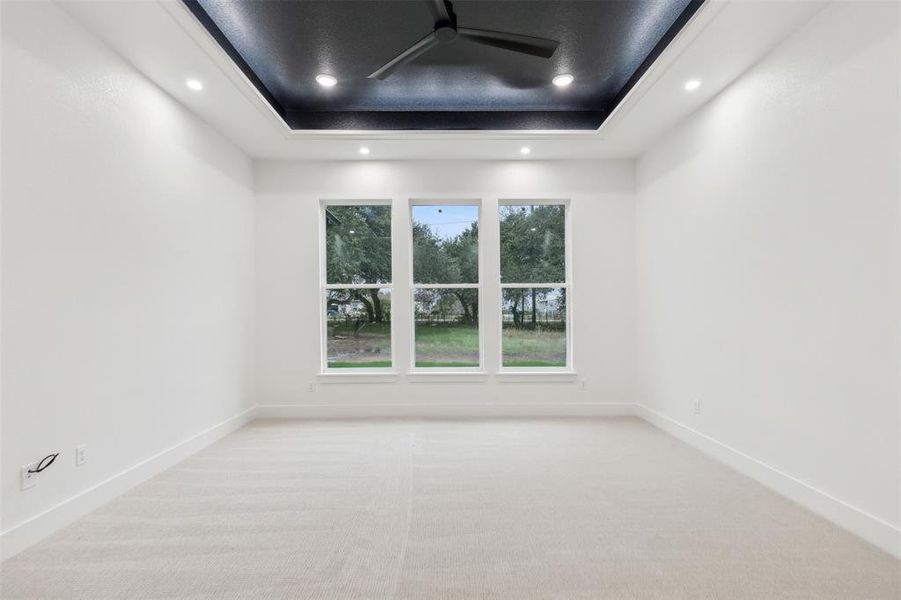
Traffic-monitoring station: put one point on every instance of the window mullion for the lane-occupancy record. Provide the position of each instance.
(533, 285)
(447, 286)
(356, 286)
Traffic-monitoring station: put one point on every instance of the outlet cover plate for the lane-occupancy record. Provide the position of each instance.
(81, 455)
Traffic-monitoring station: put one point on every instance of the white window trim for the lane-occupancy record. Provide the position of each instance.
(360, 374)
(438, 374)
(533, 373)
(355, 376)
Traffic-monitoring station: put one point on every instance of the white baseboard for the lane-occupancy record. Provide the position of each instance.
(460, 410)
(872, 529)
(38, 527)
(880, 533)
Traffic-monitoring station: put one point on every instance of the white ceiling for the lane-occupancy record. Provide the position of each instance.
(164, 41)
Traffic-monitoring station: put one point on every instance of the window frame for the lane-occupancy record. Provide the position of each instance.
(413, 286)
(324, 288)
(567, 285)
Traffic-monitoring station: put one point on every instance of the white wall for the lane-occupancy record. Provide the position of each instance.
(767, 284)
(127, 264)
(288, 195)
(768, 263)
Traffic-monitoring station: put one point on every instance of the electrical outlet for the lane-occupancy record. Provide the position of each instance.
(696, 407)
(312, 387)
(582, 385)
(29, 479)
(81, 455)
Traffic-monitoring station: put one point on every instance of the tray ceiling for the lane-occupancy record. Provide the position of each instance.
(458, 85)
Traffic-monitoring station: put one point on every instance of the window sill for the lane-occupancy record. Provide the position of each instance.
(366, 377)
(532, 376)
(446, 376)
(504, 376)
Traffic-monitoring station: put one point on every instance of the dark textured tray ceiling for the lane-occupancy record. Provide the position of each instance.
(282, 45)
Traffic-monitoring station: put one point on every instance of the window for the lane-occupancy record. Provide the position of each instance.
(534, 285)
(444, 289)
(357, 286)
(446, 286)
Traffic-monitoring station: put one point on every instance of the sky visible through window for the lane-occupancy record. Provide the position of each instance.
(446, 221)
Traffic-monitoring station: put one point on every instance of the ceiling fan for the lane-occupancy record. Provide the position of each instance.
(446, 30)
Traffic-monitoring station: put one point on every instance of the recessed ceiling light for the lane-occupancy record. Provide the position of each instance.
(692, 84)
(563, 80)
(194, 84)
(525, 150)
(533, 229)
(326, 80)
(351, 232)
(364, 150)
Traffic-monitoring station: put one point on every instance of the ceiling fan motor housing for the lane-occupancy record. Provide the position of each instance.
(446, 32)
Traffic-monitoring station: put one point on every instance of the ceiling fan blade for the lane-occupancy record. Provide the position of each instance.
(442, 13)
(406, 56)
(525, 44)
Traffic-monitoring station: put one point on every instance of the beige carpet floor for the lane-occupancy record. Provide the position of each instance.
(446, 509)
